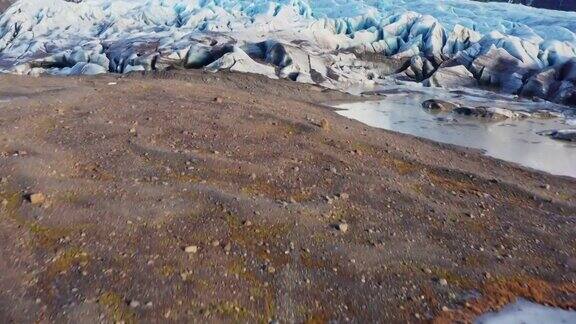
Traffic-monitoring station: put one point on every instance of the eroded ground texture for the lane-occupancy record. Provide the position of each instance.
(229, 197)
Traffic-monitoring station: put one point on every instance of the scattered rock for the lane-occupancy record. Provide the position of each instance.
(218, 100)
(215, 243)
(37, 198)
(342, 227)
(443, 282)
(191, 249)
(344, 196)
(134, 304)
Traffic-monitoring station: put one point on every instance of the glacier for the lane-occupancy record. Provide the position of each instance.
(333, 43)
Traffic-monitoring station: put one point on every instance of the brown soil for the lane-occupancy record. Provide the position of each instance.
(257, 175)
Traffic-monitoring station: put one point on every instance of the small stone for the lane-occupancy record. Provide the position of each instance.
(247, 223)
(37, 198)
(132, 130)
(443, 282)
(218, 100)
(271, 269)
(344, 196)
(324, 124)
(228, 247)
(215, 243)
(427, 271)
(545, 186)
(342, 227)
(134, 304)
(191, 249)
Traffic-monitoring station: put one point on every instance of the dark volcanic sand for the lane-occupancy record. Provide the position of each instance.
(256, 175)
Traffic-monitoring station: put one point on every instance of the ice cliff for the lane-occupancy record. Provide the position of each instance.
(334, 43)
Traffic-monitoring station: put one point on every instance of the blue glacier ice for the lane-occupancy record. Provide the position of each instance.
(334, 43)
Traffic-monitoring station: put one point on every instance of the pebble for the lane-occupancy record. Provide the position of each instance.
(344, 196)
(545, 186)
(218, 100)
(342, 227)
(134, 303)
(443, 282)
(37, 198)
(191, 249)
(215, 243)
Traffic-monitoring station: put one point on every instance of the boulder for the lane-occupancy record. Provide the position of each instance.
(568, 135)
(488, 113)
(438, 105)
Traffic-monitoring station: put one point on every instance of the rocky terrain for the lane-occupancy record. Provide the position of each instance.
(188, 196)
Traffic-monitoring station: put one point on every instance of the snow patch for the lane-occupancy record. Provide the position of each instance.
(525, 312)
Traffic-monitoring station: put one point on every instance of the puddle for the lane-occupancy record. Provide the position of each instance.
(514, 140)
(525, 312)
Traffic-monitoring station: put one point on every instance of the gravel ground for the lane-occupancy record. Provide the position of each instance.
(187, 196)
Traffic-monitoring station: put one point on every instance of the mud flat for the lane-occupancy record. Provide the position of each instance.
(228, 197)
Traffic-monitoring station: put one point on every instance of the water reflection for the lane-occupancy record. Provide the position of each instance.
(511, 140)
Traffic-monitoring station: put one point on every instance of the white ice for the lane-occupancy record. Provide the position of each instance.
(525, 312)
(322, 41)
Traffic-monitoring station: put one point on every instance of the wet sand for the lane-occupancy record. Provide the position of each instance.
(188, 196)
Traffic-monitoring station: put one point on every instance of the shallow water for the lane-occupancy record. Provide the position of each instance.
(511, 140)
